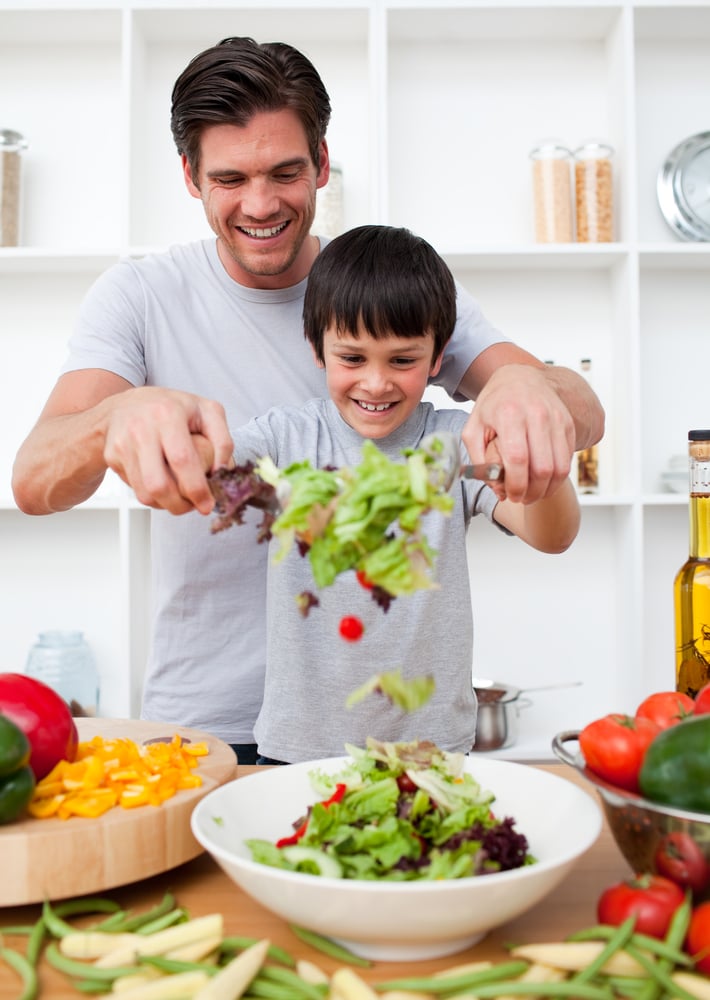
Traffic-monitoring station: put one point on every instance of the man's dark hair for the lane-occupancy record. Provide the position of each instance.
(229, 83)
(390, 280)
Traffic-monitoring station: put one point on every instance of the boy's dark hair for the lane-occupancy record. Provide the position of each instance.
(229, 83)
(389, 279)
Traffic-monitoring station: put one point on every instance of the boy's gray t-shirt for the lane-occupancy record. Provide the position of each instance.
(310, 669)
(176, 319)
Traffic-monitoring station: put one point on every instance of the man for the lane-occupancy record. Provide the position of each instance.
(178, 346)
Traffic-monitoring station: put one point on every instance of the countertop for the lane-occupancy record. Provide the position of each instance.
(202, 888)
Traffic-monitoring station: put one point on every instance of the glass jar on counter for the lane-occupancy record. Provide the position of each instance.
(594, 192)
(11, 146)
(552, 192)
(330, 216)
(64, 661)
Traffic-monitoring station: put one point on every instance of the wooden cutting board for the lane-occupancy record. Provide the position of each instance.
(55, 858)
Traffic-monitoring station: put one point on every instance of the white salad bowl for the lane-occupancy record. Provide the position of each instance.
(399, 921)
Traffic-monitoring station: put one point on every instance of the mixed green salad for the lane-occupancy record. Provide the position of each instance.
(366, 518)
(398, 812)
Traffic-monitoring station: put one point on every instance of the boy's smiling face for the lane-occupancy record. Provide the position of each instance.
(377, 383)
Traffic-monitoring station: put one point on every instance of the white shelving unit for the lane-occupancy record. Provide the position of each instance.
(436, 106)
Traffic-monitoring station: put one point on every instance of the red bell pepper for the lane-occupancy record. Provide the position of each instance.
(340, 790)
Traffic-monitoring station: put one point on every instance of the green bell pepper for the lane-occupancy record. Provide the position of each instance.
(17, 780)
(676, 767)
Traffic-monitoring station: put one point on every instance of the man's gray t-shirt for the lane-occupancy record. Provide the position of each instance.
(176, 319)
(310, 669)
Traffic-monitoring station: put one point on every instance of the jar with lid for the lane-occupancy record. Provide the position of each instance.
(11, 146)
(552, 192)
(329, 218)
(594, 193)
(691, 588)
(64, 661)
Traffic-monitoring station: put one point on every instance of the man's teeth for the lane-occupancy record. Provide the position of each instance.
(375, 407)
(263, 233)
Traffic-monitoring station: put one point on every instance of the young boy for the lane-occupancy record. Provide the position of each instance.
(379, 309)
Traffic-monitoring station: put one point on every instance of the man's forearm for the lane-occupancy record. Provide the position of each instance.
(60, 464)
(582, 403)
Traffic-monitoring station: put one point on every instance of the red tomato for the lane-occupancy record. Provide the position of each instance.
(666, 708)
(652, 899)
(351, 628)
(43, 716)
(679, 858)
(363, 581)
(697, 942)
(701, 705)
(614, 747)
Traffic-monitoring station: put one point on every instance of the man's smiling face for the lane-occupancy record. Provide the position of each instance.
(258, 188)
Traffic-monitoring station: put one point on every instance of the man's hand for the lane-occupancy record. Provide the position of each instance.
(520, 420)
(160, 441)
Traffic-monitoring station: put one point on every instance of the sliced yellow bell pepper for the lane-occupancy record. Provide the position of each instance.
(106, 773)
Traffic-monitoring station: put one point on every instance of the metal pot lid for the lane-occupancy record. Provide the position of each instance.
(490, 692)
(683, 188)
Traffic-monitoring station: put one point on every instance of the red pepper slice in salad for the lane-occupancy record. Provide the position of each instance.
(340, 790)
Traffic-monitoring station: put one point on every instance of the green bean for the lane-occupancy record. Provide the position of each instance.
(89, 985)
(615, 943)
(17, 929)
(675, 936)
(111, 923)
(80, 970)
(273, 991)
(329, 947)
(140, 920)
(463, 983)
(176, 916)
(234, 943)
(35, 941)
(521, 988)
(659, 974)
(86, 904)
(602, 932)
(177, 964)
(25, 970)
(57, 927)
(288, 977)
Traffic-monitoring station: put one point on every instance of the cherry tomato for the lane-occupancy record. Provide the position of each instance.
(351, 628)
(363, 580)
(666, 708)
(43, 716)
(652, 899)
(614, 747)
(701, 706)
(697, 942)
(679, 858)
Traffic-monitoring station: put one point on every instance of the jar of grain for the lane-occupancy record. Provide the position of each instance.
(329, 218)
(594, 193)
(11, 146)
(552, 192)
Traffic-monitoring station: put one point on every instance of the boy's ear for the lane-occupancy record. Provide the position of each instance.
(436, 365)
(319, 363)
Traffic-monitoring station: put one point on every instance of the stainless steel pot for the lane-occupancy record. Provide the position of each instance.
(499, 707)
(497, 721)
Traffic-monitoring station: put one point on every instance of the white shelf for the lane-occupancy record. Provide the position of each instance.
(436, 106)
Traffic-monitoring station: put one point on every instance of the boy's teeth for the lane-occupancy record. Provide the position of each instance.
(375, 406)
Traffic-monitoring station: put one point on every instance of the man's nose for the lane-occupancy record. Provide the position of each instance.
(259, 200)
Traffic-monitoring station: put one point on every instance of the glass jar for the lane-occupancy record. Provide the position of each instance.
(329, 218)
(64, 661)
(11, 146)
(552, 192)
(594, 193)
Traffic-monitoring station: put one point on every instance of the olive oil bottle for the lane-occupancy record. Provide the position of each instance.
(692, 583)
